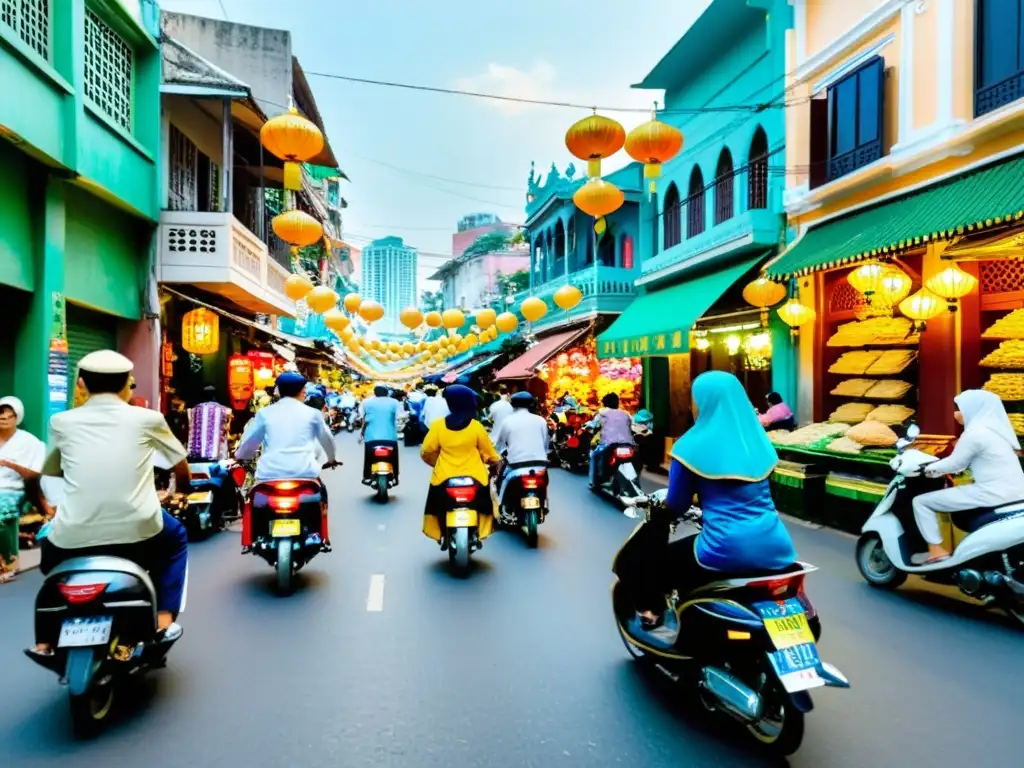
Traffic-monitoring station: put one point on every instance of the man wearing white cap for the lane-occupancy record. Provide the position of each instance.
(106, 450)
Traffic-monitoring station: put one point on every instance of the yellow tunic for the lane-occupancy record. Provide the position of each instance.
(458, 454)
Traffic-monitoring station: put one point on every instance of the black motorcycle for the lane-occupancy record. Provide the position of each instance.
(524, 503)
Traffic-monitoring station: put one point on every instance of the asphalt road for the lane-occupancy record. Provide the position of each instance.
(520, 665)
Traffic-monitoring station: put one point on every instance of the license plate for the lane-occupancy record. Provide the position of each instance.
(797, 667)
(78, 633)
(286, 528)
(531, 502)
(628, 471)
(203, 497)
(462, 516)
(382, 467)
(786, 623)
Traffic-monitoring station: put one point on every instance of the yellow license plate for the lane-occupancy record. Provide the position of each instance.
(531, 502)
(382, 466)
(461, 518)
(202, 497)
(789, 631)
(286, 528)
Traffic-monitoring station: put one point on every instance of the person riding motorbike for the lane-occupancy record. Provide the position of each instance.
(522, 438)
(616, 429)
(501, 408)
(457, 445)
(986, 448)
(435, 407)
(105, 451)
(725, 459)
(380, 428)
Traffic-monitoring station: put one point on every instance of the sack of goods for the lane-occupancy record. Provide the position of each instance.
(810, 435)
(1009, 327)
(873, 434)
(890, 414)
(1008, 386)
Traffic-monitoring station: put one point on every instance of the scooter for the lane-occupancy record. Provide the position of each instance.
(465, 527)
(618, 480)
(988, 565)
(748, 644)
(382, 472)
(99, 616)
(352, 419)
(335, 420)
(524, 503)
(285, 523)
(214, 496)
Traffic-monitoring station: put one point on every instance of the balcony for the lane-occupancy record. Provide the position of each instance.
(606, 290)
(215, 252)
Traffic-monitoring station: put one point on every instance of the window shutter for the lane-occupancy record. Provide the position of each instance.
(819, 142)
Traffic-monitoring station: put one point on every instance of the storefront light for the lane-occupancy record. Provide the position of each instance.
(952, 284)
(794, 314)
(758, 344)
(732, 343)
(200, 332)
(921, 307)
(702, 344)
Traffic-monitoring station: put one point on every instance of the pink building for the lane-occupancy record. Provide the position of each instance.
(471, 280)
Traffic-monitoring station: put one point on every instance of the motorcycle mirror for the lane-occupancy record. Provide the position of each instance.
(913, 431)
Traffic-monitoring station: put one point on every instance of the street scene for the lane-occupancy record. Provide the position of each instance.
(391, 384)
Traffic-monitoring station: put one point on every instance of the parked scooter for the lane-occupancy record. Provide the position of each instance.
(524, 503)
(748, 645)
(988, 565)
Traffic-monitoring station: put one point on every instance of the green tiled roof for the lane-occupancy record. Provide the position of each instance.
(967, 203)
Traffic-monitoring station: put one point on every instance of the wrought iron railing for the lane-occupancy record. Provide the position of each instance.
(991, 97)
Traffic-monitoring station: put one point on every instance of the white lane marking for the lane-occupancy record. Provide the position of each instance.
(382, 527)
(375, 597)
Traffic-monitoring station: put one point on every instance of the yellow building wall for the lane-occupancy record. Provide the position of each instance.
(828, 19)
(924, 75)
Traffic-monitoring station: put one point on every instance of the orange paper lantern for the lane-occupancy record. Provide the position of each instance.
(533, 309)
(321, 299)
(411, 318)
(336, 320)
(485, 318)
(352, 302)
(294, 139)
(200, 332)
(371, 311)
(433, 319)
(297, 228)
(506, 322)
(452, 318)
(593, 138)
(567, 297)
(297, 287)
(652, 144)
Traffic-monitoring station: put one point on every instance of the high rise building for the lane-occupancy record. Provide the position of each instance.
(389, 278)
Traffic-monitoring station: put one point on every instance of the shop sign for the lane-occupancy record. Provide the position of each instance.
(676, 342)
(58, 316)
(57, 376)
(240, 381)
(263, 368)
(167, 358)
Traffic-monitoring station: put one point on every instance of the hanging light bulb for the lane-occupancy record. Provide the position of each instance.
(952, 284)
(921, 307)
(794, 314)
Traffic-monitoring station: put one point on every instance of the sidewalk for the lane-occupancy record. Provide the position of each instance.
(28, 559)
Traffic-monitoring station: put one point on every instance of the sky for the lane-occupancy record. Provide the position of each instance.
(394, 143)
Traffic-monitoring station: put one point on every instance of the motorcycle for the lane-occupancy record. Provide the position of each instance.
(382, 472)
(336, 420)
(353, 421)
(465, 527)
(570, 440)
(285, 523)
(98, 614)
(214, 496)
(524, 502)
(748, 644)
(987, 565)
(618, 479)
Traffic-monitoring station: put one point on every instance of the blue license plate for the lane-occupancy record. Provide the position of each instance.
(796, 659)
(780, 609)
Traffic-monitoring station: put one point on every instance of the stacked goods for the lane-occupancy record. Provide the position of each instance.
(851, 413)
(810, 435)
(1017, 420)
(844, 445)
(1009, 354)
(875, 331)
(1009, 327)
(889, 389)
(1009, 386)
(853, 387)
(890, 414)
(891, 362)
(854, 363)
(873, 433)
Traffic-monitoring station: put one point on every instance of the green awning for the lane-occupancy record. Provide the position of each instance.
(659, 322)
(978, 200)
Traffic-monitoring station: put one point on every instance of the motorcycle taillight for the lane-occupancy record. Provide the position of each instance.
(780, 587)
(462, 494)
(535, 481)
(283, 504)
(573, 442)
(238, 475)
(381, 451)
(624, 453)
(76, 594)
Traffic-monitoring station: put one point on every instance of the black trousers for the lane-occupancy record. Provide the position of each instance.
(369, 458)
(649, 566)
(438, 503)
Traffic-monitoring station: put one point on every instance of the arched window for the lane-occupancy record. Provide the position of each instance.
(538, 260)
(589, 258)
(549, 252)
(626, 249)
(695, 219)
(757, 171)
(606, 249)
(723, 187)
(559, 242)
(571, 237)
(672, 218)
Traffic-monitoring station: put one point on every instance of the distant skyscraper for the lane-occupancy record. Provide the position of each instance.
(389, 278)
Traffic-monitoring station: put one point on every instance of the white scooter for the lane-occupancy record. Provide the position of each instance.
(989, 563)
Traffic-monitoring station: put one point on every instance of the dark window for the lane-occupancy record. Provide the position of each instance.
(723, 187)
(672, 218)
(854, 123)
(695, 219)
(757, 171)
(606, 249)
(559, 240)
(999, 54)
(571, 236)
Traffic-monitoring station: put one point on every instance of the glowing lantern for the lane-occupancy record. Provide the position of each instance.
(262, 368)
(454, 338)
(294, 139)
(200, 332)
(371, 311)
(347, 334)
(485, 318)
(408, 347)
(794, 314)
(506, 322)
(472, 339)
(336, 320)
(321, 298)
(594, 138)
(952, 284)
(375, 344)
(652, 144)
(567, 297)
(764, 293)
(921, 307)
(598, 198)
(434, 346)
(533, 309)
(352, 302)
(241, 381)
(411, 318)
(296, 287)
(463, 346)
(433, 319)
(297, 228)
(453, 318)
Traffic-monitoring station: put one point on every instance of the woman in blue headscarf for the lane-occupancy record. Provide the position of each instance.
(725, 459)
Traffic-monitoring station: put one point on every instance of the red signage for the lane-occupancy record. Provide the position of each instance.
(241, 383)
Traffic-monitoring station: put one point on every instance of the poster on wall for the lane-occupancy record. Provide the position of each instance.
(57, 359)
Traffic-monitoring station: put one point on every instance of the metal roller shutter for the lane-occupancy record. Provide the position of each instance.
(88, 331)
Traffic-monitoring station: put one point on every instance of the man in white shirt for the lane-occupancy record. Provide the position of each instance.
(106, 450)
(522, 438)
(435, 407)
(500, 408)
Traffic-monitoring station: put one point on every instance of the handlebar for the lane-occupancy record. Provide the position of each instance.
(332, 464)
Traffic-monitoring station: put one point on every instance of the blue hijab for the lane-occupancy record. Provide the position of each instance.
(462, 404)
(727, 442)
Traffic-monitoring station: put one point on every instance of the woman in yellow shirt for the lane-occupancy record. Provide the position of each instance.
(458, 446)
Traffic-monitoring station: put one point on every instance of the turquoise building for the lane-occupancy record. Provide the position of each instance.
(718, 213)
(79, 191)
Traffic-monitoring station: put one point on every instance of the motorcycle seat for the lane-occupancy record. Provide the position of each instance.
(972, 520)
(762, 573)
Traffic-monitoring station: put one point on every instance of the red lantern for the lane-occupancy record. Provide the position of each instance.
(263, 369)
(240, 381)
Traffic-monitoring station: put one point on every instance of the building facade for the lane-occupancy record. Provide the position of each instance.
(389, 278)
(79, 191)
(482, 252)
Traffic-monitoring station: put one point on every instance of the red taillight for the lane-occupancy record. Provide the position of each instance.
(238, 475)
(76, 594)
(780, 586)
(573, 442)
(624, 453)
(462, 494)
(283, 504)
(381, 451)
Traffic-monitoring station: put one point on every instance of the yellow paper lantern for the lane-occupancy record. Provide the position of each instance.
(452, 318)
(598, 198)
(434, 346)
(952, 284)
(895, 284)
(921, 307)
(321, 298)
(794, 314)
(371, 311)
(764, 293)
(411, 318)
(297, 287)
(485, 318)
(352, 302)
(506, 322)
(394, 346)
(420, 346)
(353, 345)
(336, 320)
(200, 332)
(454, 338)
(567, 297)
(653, 143)
(294, 139)
(463, 346)
(472, 339)
(867, 278)
(594, 138)
(375, 344)
(408, 347)
(347, 334)
(533, 309)
(297, 228)
(433, 319)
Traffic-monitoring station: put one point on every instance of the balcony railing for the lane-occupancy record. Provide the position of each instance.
(848, 162)
(214, 251)
(604, 289)
(991, 97)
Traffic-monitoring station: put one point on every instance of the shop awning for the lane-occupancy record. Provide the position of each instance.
(978, 200)
(658, 323)
(526, 365)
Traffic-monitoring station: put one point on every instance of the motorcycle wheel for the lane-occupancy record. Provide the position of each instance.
(382, 488)
(458, 551)
(90, 707)
(781, 729)
(284, 567)
(531, 529)
(875, 566)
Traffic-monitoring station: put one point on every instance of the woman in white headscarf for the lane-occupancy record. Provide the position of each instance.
(987, 448)
(21, 457)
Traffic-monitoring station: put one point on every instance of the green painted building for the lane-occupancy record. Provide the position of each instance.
(79, 191)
